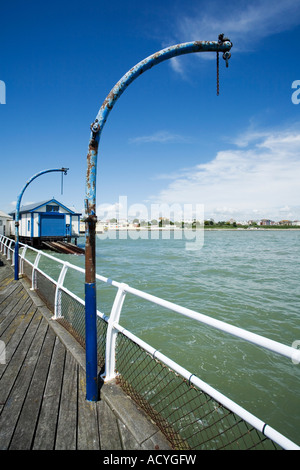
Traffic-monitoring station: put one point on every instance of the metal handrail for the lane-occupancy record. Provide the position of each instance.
(114, 328)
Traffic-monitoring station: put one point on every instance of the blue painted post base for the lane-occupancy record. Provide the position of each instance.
(91, 342)
(16, 261)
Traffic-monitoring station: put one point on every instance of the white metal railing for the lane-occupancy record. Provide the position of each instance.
(114, 327)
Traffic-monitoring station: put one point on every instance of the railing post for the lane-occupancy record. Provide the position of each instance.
(111, 335)
(9, 250)
(22, 259)
(57, 301)
(2, 244)
(6, 247)
(35, 265)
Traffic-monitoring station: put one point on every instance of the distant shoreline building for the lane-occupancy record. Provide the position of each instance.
(267, 222)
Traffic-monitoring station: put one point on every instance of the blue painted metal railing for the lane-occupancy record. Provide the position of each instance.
(222, 45)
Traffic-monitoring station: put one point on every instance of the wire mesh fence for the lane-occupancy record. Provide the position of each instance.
(45, 289)
(72, 317)
(190, 419)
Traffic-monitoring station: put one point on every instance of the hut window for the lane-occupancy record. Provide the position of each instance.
(50, 208)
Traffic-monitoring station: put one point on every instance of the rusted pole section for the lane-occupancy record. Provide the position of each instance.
(222, 45)
(90, 274)
(17, 217)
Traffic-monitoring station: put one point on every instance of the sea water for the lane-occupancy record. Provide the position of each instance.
(247, 278)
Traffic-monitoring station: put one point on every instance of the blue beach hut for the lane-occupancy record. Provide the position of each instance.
(48, 220)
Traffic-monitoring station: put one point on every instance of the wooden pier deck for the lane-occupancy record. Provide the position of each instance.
(42, 386)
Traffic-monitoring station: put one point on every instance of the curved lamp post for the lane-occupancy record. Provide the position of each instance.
(64, 170)
(222, 45)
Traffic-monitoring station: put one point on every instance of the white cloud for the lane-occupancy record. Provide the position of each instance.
(160, 137)
(260, 179)
(245, 23)
(177, 66)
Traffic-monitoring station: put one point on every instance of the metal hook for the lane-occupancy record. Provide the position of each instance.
(226, 56)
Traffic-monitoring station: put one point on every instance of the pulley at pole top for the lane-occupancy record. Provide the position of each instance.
(63, 172)
(226, 56)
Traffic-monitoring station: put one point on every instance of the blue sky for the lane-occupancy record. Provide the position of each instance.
(169, 139)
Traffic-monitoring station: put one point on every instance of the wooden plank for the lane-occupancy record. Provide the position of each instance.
(67, 420)
(128, 440)
(11, 302)
(12, 408)
(16, 307)
(109, 429)
(11, 322)
(46, 429)
(13, 343)
(7, 290)
(10, 299)
(88, 428)
(11, 307)
(24, 432)
(6, 275)
(15, 363)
